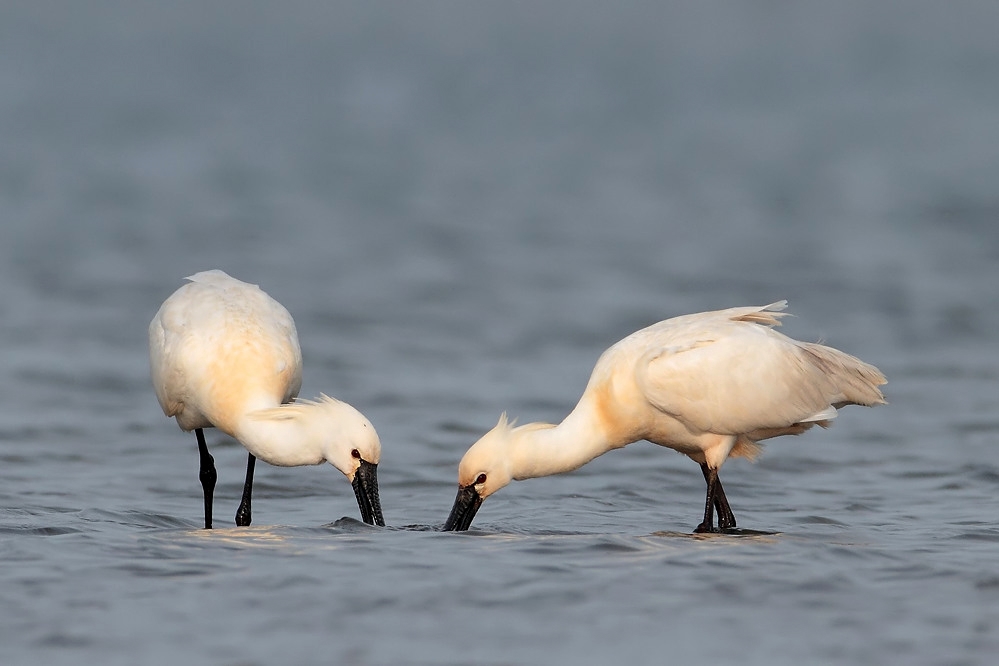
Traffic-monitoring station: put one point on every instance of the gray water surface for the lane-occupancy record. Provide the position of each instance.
(462, 207)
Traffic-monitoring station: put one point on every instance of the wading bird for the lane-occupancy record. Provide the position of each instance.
(709, 385)
(224, 354)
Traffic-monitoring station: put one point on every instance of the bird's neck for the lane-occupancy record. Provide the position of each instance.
(541, 450)
(280, 436)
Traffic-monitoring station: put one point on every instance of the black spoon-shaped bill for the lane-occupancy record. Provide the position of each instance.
(366, 490)
(466, 504)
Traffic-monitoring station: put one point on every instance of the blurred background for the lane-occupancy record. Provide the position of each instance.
(462, 206)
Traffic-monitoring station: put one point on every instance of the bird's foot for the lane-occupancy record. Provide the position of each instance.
(704, 528)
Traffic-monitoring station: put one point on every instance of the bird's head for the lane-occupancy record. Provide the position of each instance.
(485, 468)
(349, 442)
(348, 437)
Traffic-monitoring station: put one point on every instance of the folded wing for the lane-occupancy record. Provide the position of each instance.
(730, 373)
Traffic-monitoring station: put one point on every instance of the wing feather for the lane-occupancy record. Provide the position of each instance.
(216, 335)
(730, 373)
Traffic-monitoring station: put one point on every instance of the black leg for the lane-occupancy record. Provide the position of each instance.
(243, 513)
(207, 474)
(726, 519)
(707, 525)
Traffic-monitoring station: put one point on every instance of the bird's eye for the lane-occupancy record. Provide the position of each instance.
(356, 454)
(480, 479)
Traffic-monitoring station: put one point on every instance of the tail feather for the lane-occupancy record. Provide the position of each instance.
(853, 382)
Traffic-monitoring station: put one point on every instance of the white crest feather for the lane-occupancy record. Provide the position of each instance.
(504, 423)
(295, 409)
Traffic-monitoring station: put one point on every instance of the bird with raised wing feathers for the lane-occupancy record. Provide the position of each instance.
(709, 385)
(224, 354)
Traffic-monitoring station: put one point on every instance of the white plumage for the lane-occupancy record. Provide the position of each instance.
(224, 354)
(709, 385)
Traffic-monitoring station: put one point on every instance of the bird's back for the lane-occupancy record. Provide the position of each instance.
(728, 372)
(219, 346)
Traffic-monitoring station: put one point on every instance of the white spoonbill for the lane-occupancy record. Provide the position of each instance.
(709, 385)
(225, 354)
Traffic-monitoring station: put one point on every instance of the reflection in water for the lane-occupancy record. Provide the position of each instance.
(729, 534)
